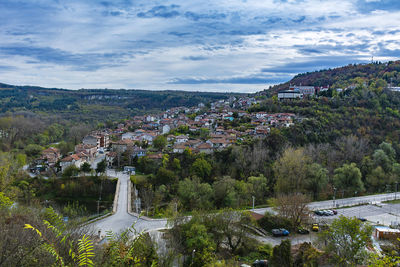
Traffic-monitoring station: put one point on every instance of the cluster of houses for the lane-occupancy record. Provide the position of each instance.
(136, 135)
(92, 144)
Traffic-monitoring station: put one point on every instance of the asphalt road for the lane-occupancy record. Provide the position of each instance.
(122, 220)
(338, 203)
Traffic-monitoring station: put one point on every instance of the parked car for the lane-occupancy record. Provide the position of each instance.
(315, 227)
(260, 263)
(334, 212)
(280, 232)
(303, 231)
(362, 219)
(318, 212)
(329, 213)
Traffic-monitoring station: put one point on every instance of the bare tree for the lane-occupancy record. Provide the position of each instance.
(147, 195)
(293, 207)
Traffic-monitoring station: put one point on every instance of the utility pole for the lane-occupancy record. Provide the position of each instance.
(395, 193)
(98, 207)
(334, 197)
(254, 198)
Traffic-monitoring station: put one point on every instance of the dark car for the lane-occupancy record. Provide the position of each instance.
(318, 212)
(260, 263)
(303, 231)
(280, 232)
(334, 212)
(362, 219)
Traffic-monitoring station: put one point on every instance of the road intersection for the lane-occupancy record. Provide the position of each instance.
(369, 207)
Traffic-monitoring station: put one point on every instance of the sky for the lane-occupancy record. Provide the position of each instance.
(196, 45)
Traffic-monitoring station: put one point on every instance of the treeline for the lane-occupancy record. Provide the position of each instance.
(99, 104)
(30, 133)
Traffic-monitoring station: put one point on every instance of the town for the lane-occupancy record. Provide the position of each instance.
(200, 129)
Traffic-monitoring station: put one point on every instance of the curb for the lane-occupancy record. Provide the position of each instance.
(116, 196)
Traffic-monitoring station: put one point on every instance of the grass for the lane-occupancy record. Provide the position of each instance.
(397, 201)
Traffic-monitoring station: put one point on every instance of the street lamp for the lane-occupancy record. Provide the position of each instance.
(193, 255)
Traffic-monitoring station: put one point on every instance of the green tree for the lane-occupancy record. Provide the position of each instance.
(291, 171)
(5, 202)
(55, 132)
(316, 180)
(164, 176)
(389, 150)
(377, 179)
(101, 166)
(224, 192)
(201, 168)
(160, 142)
(348, 178)
(195, 195)
(70, 171)
(346, 240)
(259, 187)
(382, 159)
(281, 255)
(199, 244)
(33, 150)
(85, 167)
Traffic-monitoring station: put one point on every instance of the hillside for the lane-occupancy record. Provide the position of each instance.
(95, 104)
(342, 77)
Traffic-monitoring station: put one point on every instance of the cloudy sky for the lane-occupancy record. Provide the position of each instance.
(201, 45)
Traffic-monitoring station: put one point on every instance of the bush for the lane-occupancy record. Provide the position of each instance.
(270, 221)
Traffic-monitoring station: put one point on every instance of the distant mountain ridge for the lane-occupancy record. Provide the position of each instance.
(89, 104)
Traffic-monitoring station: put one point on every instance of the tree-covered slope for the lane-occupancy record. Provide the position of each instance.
(377, 72)
(92, 104)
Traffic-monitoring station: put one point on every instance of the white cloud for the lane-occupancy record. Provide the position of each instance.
(232, 38)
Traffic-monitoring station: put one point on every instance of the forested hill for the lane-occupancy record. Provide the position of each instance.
(377, 72)
(92, 104)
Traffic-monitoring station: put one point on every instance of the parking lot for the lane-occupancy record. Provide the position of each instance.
(380, 213)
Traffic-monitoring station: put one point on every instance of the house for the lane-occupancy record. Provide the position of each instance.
(181, 139)
(305, 90)
(205, 148)
(179, 147)
(89, 150)
(155, 156)
(289, 95)
(130, 170)
(92, 140)
(194, 143)
(110, 158)
(51, 155)
(383, 232)
(100, 139)
(138, 152)
(73, 159)
(122, 145)
(165, 129)
(218, 143)
(148, 137)
(128, 135)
